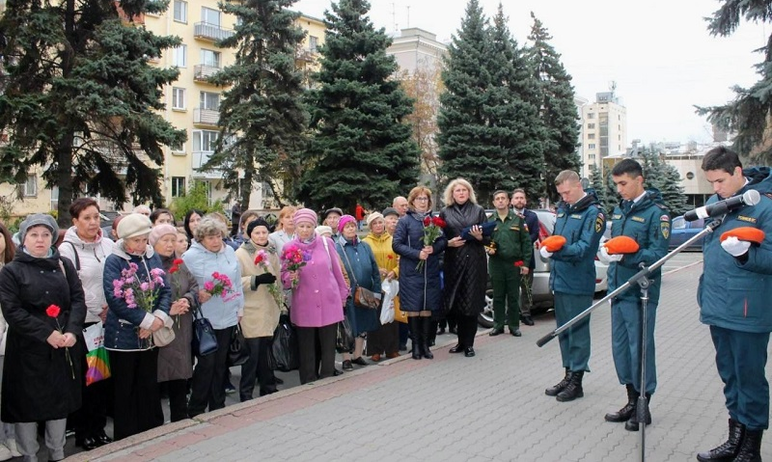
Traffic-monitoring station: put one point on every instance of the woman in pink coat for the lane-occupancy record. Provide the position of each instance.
(319, 293)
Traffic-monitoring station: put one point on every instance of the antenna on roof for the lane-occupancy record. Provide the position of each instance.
(408, 16)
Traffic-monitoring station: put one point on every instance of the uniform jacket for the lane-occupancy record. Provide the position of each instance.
(321, 293)
(418, 290)
(648, 223)
(513, 243)
(572, 268)
(89, 259)
(38, 381)
(123, 323)
(359, 263)
(175, 359)
(466, 269)
(732, 294)
(261, 313)
(532, 221)
(202, 264)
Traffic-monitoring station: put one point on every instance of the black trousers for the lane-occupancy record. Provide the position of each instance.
(137, 401)
(257, 368)
(316, 346)
(467, 329)
(208, 376)
(91, 418)
(178, 399)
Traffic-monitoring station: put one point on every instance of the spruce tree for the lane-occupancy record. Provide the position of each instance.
(80, 99)
(665, 178)
(262, 117)
(749, 113)
(361, 149)
(598, 183)
(558, 109)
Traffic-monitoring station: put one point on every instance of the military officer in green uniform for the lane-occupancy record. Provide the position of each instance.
(643, 217)
(509, 254)
(572, 277)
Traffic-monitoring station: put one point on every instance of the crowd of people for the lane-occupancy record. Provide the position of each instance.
(145, 281)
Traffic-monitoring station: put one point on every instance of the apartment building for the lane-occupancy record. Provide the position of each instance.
(604, 130)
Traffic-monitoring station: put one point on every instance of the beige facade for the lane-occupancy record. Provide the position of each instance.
(416, 49)
(604, 130)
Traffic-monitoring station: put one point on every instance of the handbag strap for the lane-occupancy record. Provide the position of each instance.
(349, 265)
(329, 257)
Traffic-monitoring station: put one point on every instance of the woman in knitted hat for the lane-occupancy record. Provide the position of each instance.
(262, 306)
(362, 269)
(175, 362)
(318, 295)
(129, 327)
(45, 308)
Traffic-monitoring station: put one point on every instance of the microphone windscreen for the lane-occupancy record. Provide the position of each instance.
(751, 197)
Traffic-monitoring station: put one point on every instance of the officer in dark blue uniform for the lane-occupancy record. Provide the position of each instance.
(643, 217)
(734, 301)
(572, 277)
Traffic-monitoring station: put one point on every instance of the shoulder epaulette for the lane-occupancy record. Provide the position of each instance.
(769, 195)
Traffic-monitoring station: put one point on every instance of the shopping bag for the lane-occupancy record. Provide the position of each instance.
(238, 351)
(344, 340)
(390, 289)
(97, 357)
(283, 355)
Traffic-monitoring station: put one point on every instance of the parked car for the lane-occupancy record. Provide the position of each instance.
(682, 230)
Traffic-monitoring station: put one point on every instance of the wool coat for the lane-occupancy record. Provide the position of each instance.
(261, 312)
(359, 263)
(175, 359)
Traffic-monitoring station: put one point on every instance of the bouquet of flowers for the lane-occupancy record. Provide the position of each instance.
(261, 260)
(293, 258)
(137, 293)
(220, 286)
(433, 227)
(53, 312)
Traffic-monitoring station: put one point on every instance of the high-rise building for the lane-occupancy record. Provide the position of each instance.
(604, 130)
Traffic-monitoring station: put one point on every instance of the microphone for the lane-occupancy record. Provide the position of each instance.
(750, 197)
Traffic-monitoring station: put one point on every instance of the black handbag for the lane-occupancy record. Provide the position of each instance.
(344, 341)
(238, 350)
(283, 355)
(204, 340)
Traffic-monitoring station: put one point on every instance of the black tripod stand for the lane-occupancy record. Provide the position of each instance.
(641, 278)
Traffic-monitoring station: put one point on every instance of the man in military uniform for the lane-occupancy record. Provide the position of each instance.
(532, 221)
(580, 222)
(509, 255)
(643, 217)
(733, 295)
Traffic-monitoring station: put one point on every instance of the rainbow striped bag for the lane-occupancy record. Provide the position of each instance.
(97, 358)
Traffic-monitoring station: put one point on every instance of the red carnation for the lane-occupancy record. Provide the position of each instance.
(53, 311)
(519, 263)
(174, 269)
(389, 256)
(258, 259)
(438, 222)
(427, 221)
(178, 261)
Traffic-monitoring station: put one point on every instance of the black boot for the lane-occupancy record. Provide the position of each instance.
(574, 388)
(426, 329)
(557, 388)
(728, 450)
(750, 449)
(627, 411)
(632, 424)
(414, 322)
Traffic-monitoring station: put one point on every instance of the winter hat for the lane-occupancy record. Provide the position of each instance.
(304, 216)
(324, 230)
(134, 224)
(332, 210)
(254, 224)
(160, 231)
(390, 211)
(373, 216)
(343, 220)
(38, 219)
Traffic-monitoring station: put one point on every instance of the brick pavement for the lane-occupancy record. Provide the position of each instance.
(488, 408)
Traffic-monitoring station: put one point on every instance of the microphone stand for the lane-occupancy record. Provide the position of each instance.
(641, 278)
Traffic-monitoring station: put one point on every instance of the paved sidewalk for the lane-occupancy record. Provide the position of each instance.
(488, 408)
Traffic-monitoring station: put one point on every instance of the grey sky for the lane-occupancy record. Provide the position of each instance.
(659, 52)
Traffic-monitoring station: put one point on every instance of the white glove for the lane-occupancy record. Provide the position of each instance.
(545, 254)
(607, 258)
(735, 247)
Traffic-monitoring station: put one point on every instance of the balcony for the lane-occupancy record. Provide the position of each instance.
(199, 159)
(202, 116)
(212, 32)
(202, 72)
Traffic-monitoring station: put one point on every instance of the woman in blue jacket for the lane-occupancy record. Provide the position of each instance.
(420, 291)
(129, 328)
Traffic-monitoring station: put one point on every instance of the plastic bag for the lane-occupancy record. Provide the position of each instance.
(97, 358)
(344, 341)
(283, 355)
(390, 290)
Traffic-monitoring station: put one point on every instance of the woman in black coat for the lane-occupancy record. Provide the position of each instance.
(420, 291)
(465, 267)
(43, 302)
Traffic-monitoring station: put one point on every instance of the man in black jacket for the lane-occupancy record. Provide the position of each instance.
(532, 222)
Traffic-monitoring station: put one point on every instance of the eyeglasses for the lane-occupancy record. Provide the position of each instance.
(422, 199)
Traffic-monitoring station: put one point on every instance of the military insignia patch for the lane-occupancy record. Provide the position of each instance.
(600, 222)
(578, 216)
(639, 219)
(560, 215)
(664, 226)
(664, 218)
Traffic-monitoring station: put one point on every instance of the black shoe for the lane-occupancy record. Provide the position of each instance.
(360, 361)
(337, 372)
(728, 450)
(468, 352)
(88, 443)
(440, 331)
(229, 388)
(560, 386)
(496, 332)
(403, 347)
(347, 366)
(278, 381)
(527, 320)
(628, 410)
(457, 349)
(453, 330)
(425, 325)
(103, 439)
(750, 449)
(516, 333)
(574, 388)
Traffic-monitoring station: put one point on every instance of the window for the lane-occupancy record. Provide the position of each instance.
(178, 98)
(591, 146)
(591, 156)
(209, 100)
(178, 186)
(210, 58)
(30, 187)
(204, 140)
(179, 147)
(591, 136)
(590, 126)
(590, 115)
(180, 11)
(210, 16)
(180, 56)
(313, 43)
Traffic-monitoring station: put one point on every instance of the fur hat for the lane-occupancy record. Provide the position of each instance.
(373, 216)
(305, 216)
(160, 231)
(344, 220)
(38, 219)
(134, 224)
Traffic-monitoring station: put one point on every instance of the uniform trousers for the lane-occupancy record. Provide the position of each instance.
(575, 342)
(626, 343)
